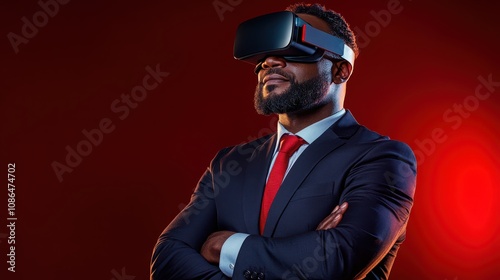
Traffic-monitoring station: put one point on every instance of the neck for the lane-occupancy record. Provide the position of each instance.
(295, 122)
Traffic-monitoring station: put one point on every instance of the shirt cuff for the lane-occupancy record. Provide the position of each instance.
(229, 253)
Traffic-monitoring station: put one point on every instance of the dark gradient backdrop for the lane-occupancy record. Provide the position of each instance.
(427, 74)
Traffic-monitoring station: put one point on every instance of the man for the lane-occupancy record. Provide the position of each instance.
(246, 222)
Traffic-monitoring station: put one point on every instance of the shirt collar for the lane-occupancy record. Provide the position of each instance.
(313, 131)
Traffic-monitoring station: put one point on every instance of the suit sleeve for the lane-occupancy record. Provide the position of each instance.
(379, 188)
(177, 252)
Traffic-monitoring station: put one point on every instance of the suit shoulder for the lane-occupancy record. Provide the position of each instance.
(384, 144)
(242, 149)
(394, 146)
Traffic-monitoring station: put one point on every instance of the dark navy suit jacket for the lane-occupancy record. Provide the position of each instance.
(348, 162)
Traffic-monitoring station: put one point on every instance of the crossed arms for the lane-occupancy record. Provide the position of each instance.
(211, 249)
(379, 190)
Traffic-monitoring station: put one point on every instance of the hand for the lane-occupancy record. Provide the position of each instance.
(332, 220)
(213, 245)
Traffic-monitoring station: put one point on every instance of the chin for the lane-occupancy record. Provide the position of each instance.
(274, 91)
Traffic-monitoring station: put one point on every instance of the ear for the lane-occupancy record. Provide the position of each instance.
(341, 71)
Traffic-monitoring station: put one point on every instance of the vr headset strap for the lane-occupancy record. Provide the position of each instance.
(327, 42)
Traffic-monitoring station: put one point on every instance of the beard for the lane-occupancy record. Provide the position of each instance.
(299, 97)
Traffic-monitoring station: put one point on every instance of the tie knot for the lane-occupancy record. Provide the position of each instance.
(290, 143)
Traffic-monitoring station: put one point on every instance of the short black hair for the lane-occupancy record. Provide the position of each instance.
(338, 26)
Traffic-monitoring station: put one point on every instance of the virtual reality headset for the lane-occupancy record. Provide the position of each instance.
(286, 35)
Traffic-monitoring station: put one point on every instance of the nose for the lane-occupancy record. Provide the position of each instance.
(273, 61)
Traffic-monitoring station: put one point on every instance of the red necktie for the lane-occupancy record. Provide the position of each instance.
(288, 145)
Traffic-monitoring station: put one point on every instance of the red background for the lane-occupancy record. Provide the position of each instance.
(107, 213)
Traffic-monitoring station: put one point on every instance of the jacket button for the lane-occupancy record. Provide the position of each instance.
(254, 275)
(260, 276)
(246, 274)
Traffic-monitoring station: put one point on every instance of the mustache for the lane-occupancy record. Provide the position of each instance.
(279, 72)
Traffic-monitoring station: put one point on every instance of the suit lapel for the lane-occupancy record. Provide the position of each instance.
(336, 136)
(254, 183)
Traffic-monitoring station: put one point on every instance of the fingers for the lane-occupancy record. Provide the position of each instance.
(343, 207)
(332, 220)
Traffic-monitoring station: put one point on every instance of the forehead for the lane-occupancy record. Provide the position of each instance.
(315, 22)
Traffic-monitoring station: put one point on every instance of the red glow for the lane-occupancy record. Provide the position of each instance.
(471, 195)
(456, 198)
